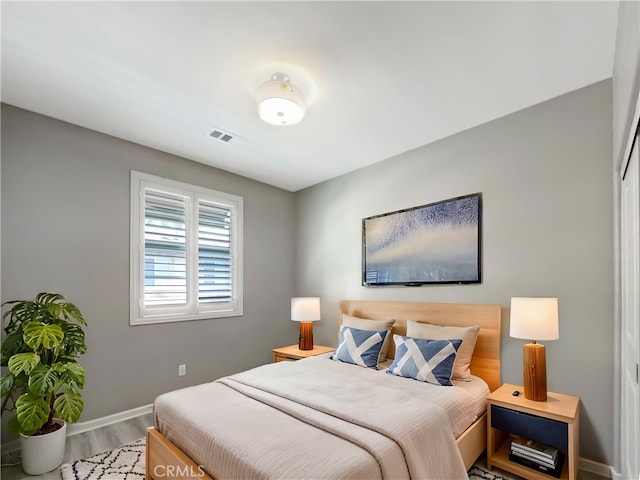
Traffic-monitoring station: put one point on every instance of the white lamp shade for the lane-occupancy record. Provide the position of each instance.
(305, 309)
(534, 318)
(280, 102)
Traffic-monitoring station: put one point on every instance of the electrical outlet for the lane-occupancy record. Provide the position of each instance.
(182, 370)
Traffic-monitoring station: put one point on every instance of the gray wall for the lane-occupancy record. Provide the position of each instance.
(546, 179)
(65, 228)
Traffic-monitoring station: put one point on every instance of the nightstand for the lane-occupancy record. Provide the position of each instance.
(293, 353)
(554, 422)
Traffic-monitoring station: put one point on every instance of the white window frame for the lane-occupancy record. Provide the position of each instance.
(139, 314)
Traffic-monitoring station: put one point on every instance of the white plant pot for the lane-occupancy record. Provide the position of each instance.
(43, 453)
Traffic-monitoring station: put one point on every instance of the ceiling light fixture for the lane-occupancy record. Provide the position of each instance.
(280, 102)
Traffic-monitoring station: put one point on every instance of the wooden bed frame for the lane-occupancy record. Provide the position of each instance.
(165, 460)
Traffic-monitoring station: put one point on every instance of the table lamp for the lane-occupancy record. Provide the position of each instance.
(305, 310)
(534, 319)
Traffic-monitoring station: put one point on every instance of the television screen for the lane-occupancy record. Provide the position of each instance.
(430, 244)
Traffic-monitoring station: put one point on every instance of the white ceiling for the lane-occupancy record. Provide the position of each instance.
(380, 78)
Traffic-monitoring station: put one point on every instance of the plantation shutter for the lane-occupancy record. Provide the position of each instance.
(215, 282)
(165, 249)
(186, 252)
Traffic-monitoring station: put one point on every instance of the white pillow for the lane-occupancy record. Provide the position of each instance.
(468, 335)
(372, 325)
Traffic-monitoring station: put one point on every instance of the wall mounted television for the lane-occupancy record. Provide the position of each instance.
(438, 243)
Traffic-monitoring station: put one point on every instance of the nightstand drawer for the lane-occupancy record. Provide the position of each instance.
(283, 358)
(550, 432)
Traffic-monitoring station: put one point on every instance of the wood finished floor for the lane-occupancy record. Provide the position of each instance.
(92, 442)
(87, 444)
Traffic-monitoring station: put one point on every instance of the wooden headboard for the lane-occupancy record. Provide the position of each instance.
(486, 356)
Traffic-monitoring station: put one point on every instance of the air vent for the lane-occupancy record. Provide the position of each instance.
(221, 136)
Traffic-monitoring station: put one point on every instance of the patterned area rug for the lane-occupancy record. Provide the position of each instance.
(124, 463)
(127, 463)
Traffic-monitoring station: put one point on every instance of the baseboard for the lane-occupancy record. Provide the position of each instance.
(595, 467)
(81, 427)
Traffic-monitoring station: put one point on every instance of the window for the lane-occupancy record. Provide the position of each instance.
(186, 251)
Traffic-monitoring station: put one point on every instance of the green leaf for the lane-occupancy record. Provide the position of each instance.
(38, 334)
(21, 381)
(23, 362)
(74, 312)
(58, 309)
(75, 374)
(42, 380)
(6, 384)
(46, 298)
(22, 311)
(59, 367)
(54, 310)
(11, 345)
(70, 311)
(68, 406)
(74, 341)
(32, 411)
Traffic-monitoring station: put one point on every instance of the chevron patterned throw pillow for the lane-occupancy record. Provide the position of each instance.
(425, 360)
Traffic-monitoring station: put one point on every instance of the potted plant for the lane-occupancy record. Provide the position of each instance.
(44, 338)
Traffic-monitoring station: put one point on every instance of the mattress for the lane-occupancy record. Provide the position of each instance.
(318, 418)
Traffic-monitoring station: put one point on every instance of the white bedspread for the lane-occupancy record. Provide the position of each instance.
(317, 418)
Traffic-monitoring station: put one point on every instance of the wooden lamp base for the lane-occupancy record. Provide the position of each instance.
(306, 336)
(535, 372)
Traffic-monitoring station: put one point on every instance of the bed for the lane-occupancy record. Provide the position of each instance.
(322, 418)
